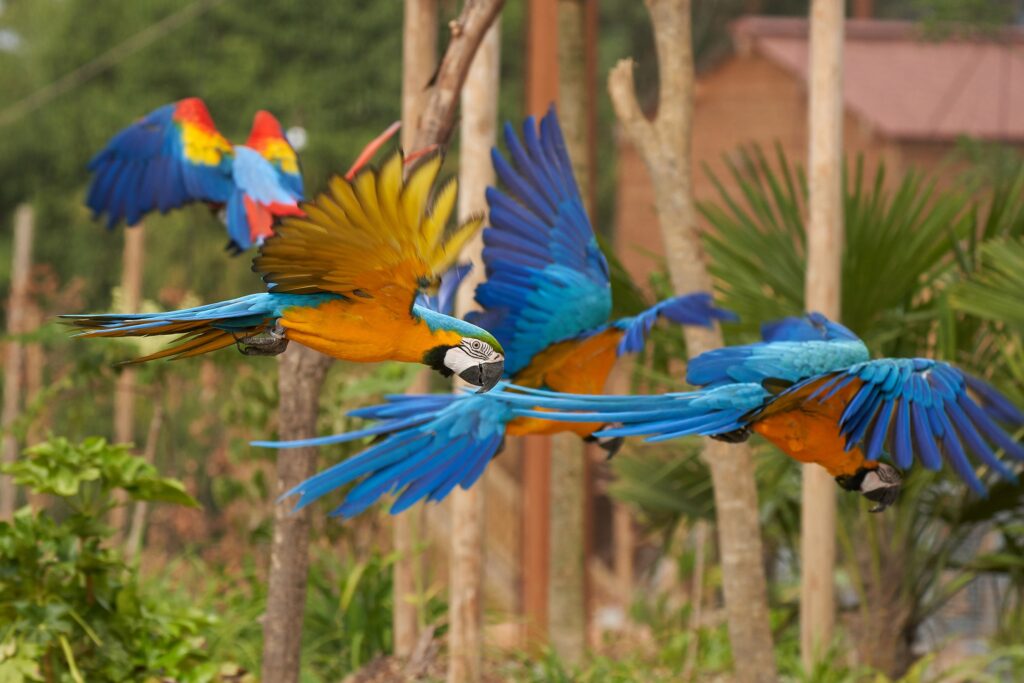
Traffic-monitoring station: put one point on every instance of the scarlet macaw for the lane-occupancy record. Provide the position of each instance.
(813, 391)
(547, 298)
(343, 280)
(174, 156)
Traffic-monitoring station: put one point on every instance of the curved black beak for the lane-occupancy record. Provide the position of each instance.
(484, 375)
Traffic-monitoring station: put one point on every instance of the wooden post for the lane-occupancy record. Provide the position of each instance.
(137, 526)
(541, 91)
(664, 144)
(567, 626)
(419, 57)
(125, 398)
(822, 293)
(14, 361)
(478, 135)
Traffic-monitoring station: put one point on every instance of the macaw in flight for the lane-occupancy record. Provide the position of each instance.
(547, 299)
(813, 391)
(343, 279)
(175, 156)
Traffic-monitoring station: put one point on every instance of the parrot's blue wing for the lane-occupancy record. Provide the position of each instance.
(794, 349)
(258, 178)
(689, 309)
(916, 405)
(444, 300)
(432, 443)
(150, 166)
(547, 279)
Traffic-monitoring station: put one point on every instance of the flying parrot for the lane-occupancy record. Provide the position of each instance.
(343, 280)
(813, 391)
(174, 156)
(547, 299)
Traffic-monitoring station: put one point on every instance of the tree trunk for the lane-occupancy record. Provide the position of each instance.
(567, 615)
(822, 293)
(664, 145)
(419, 56)
(125, 398)
(301, 373)
(14, 361)
(478, 135)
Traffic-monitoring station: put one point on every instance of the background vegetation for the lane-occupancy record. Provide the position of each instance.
(188, 609)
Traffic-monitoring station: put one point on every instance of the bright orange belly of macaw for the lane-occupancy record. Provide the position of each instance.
(364, 332)
(808, 431)
(578, 366)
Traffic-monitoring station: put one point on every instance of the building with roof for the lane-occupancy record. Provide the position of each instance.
(908, 99)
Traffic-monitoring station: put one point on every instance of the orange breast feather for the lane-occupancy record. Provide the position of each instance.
(808, 431)
(364, 330)
(574, 366)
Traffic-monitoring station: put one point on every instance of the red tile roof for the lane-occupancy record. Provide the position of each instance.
(909, 86)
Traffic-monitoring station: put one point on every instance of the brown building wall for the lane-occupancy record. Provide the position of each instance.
(746, 100)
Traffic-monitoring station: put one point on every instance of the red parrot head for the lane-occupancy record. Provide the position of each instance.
(194, 111)
(265, 127)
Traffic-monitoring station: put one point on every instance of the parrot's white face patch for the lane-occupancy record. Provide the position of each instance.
(469, 353)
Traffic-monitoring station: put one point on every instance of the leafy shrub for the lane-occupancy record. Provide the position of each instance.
(71, 608)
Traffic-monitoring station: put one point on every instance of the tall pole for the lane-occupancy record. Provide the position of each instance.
(567, 609)
(132, 266)
(822, 293)
(419, 58)
(14, 360)
(665, 144)
(477, 135)
(541, 91)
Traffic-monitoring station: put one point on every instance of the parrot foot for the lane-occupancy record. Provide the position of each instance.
(880, 484)
(272, 342)
(611, 445)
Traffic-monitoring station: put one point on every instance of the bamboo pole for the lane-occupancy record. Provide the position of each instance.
(132, 265)
(822, 293)
(14, 360)
(137, 525)
(419, 55)
(478, 135)
(567, 624)
(664, 144)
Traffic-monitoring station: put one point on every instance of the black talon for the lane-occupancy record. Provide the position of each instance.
(272, 342)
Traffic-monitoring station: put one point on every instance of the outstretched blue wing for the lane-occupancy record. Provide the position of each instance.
(170, 157)
(547, 279)
(433, 443)
(697, 308)
(905, 406)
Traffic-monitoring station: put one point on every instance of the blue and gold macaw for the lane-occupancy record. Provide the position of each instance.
(343, 280)
(813, 391)
(175, 156)
(547, 299)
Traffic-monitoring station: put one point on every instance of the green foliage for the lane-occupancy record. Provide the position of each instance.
(71, 608)
(86, 473)
(347, 622)
(924, 273)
